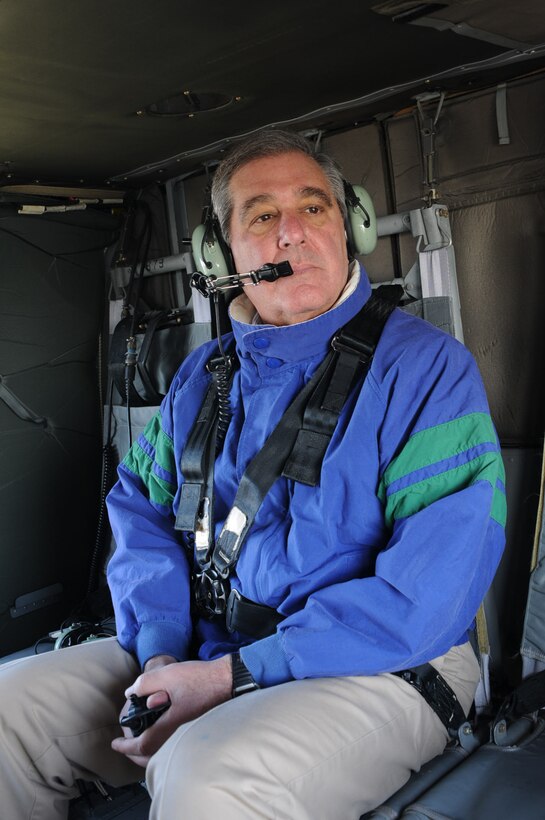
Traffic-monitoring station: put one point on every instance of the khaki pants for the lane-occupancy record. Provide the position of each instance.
(324, 749)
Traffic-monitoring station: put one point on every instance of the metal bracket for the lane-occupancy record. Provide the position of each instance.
(431, 228)
(428, 132)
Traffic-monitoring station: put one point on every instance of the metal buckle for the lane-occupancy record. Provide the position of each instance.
(412, 678)
(211, 592)
(202, 526)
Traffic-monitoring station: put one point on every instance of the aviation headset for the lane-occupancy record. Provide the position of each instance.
(213, 255)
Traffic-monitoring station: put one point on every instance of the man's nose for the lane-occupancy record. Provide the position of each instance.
(290, 231)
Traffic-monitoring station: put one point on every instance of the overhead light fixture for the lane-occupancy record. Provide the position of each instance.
(189, 104)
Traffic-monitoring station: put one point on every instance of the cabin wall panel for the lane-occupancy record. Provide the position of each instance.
(495, 195)
(360, 157)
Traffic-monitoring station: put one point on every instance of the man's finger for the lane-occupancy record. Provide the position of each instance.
(126, 746)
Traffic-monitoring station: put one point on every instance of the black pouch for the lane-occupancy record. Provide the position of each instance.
(162, 342)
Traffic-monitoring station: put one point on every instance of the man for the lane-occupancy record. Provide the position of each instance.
(379, 568)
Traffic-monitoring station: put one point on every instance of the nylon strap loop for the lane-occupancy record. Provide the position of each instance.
(195, 465)
(190, 500)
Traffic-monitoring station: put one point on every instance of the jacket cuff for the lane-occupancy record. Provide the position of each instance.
(161, 638)
(267, 661)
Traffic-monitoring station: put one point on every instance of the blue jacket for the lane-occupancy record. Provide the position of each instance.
(383, 565)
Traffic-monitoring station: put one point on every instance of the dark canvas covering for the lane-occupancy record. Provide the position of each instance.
(52, 285)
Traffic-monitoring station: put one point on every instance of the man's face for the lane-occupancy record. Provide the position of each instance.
(284, 209)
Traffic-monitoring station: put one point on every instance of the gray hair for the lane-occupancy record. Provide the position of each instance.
(267, 143)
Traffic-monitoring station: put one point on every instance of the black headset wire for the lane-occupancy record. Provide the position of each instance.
(109, 460)
(130, 307)
(109, 452)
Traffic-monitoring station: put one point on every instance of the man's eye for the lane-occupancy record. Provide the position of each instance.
(263, 218)
(314, 209)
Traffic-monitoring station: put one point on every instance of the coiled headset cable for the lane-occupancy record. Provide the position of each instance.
(221, 372)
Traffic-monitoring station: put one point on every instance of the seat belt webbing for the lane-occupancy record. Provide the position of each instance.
(261, 473)
(296, 447)
(355, 343)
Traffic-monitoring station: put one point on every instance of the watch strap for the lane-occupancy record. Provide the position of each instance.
(243, 681)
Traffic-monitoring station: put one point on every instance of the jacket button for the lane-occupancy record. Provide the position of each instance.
(261, 343)
(274, 362)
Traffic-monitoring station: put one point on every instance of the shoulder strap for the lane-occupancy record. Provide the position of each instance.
(195, 510)
(260, 474)
(296, 447)
(355, 346)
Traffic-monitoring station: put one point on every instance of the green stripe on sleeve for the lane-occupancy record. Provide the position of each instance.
(499, 506)
(439, 443)
(164, 452)
(410, 500)
(141, 464)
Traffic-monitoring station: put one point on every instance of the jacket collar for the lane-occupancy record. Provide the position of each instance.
(275, 347)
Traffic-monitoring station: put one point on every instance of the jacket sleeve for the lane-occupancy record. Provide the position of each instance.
(441, 484)
(148, 573)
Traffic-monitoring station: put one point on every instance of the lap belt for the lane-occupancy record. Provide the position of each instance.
(256, 620)
(437, 694)
(259, 621)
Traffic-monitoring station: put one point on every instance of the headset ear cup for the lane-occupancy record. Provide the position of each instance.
(362, 221)
(208, 253)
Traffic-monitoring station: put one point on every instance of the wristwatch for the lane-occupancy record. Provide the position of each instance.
(242, 678)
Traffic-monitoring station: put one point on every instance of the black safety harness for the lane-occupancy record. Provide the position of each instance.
(295, 450)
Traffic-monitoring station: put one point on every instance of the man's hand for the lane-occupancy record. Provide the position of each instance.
(192, 687)
(158, 661)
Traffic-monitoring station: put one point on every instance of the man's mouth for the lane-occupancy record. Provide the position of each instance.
(302, 267)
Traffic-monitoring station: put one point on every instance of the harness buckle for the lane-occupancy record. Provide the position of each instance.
(210, 592)
(229, 541)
